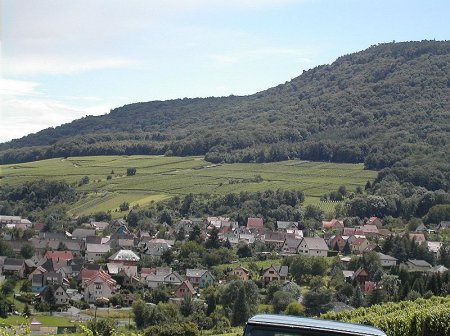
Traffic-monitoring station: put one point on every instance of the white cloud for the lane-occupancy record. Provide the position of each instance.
(22, 116)
(10, 87)
(54, 65)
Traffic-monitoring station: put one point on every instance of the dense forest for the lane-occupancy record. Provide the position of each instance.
(387, 106)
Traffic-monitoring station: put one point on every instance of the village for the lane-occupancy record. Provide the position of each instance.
(106, 264)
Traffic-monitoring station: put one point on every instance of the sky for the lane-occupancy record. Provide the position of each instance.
(63, 60)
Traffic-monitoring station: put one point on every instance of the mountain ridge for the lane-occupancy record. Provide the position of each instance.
(386, 106)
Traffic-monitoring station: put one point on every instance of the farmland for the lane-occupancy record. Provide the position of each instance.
(159, 177)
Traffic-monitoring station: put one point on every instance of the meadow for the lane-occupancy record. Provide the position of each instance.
(159, 177)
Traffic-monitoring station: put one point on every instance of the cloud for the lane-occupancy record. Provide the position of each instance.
(22, 116)
(54, 65)
(13, 87)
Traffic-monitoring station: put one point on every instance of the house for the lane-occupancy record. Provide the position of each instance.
(100, 286)
(185, 289)
(414, 265)
(359, 245)
(421, 228)
(95, 252)
(123, 241)
(289, 227)
(443, 225)
(200, 278)
(337, 243)
(40, 281)
(162, 276)
(255, 224)
(334, 224)
(419, 238)
(313, 247)
(242, 273)
(59, 255)
(387, 260)
(370, 230)
(60, 294)
(99, 226)
(273, 273)
(274, 239)
(361, 276)
(37, 270)
(290, 246)
(375, 221)
(82, 233)
(125, 257)
(156, 247)
(439, 269)
(116, 269)
(435, 248)
(13, 266)
(348, 231)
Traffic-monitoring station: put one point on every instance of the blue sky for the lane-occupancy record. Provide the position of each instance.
(61, 60)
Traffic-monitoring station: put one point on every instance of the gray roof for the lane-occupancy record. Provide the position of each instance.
(281, 270)
(124, 255)
(195, 272)
(309, 324)
(285, 225)
(316, 243)
(386, 257)
(97, 248)
(292, 242)
(420, 263)
(83, 233)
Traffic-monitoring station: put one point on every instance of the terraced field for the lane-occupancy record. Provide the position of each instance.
(159, 177)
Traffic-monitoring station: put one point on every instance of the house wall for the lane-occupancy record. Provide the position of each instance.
(95, 290)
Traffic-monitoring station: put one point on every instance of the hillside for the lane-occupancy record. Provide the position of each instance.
(386, 106)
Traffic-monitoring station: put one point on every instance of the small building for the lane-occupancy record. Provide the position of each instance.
(95, 252)
(418, 238)
(375, 221)
(256, 224)
(13, 266)
(185, 289)
(334, 224)
(125, 257)
(313, 247)
(200, 278)
(242, 273)
(100, 286)
(275, 272)
(414, 265)
(290, 246)
(359, 245)
(435, 248)
(387, 260)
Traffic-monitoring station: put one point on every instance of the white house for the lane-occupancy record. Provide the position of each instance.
(313, 247)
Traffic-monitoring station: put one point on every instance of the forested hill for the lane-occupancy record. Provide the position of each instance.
(386, 106)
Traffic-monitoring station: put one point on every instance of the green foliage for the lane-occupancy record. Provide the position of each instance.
(407, 318)
(240, 299)
(281, 300)
(173, 329)
(295, 309)
(361, 108)
(104, 327)
(27, 251)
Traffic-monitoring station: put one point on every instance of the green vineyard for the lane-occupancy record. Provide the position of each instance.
(423, 317)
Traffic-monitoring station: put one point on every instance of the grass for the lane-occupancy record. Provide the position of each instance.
(46, 320)
(159, 177)
(54, 321)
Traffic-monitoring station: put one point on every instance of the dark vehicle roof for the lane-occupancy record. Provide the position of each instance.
(314, 324)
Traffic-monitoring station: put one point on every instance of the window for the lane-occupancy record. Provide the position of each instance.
(98, 286)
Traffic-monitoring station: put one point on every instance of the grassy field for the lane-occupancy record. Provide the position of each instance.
(160, 177)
